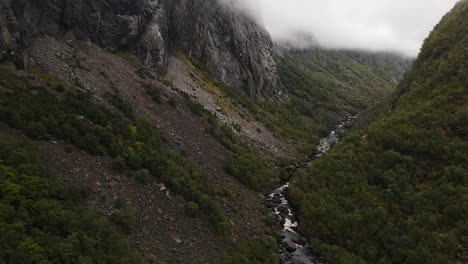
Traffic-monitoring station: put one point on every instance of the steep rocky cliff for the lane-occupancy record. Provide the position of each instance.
(230, 45)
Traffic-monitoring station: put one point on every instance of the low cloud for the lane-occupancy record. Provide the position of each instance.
(253, 8)
(374, 25)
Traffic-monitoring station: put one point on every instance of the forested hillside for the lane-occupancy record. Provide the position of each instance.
(325, 85)
(395, 191)
(44, 220)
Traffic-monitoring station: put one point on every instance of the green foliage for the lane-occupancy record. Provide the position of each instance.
(125, 218)
(133, 142)
(60, 88)
(250, 170)
(192, 209)
(52, 81)
(153, 91)
(121, 105)
(43, 220)
(130, 58)
(143, 176)
(262, 251)
(395, 191)
(197, 108)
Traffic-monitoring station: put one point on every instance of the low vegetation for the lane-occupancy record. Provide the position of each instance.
(153, 91)
(72, 116)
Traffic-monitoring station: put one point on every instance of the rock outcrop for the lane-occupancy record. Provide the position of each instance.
(229, 44)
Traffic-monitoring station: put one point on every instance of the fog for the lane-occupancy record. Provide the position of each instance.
(375, 25)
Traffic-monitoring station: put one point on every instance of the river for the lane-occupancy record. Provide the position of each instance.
(294, 248)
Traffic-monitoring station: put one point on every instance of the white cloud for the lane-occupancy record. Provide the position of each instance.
(377, 25)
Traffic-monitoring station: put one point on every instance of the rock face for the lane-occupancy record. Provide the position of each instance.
(229, 44)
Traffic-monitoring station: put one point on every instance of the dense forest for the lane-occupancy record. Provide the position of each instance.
(395, 190)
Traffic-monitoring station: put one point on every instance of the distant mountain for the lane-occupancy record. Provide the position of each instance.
(395, 190)
(391, 66)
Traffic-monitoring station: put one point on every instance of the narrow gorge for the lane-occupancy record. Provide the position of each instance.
(294, 247)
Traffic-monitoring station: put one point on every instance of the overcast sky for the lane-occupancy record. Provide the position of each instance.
(377, 25)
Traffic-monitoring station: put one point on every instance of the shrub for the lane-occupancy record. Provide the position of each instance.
(191, 209)
(60, 88)
(197, 108)
(143, 176)
(153, 92)
(251, 170)
(172, 101)
(125, 218)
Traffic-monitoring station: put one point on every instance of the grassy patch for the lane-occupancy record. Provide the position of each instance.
(130, 58)
(44, 75)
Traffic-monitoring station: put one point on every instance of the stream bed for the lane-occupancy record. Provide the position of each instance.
(294, 248)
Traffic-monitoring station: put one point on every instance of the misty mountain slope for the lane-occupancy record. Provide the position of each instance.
(344, 80)
(395, 191)
(391, 66)
(225, 44)
(321, 87)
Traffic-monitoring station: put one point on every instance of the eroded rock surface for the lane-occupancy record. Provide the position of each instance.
(229, 44)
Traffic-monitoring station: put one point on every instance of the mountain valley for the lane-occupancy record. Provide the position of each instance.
(153, 131)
